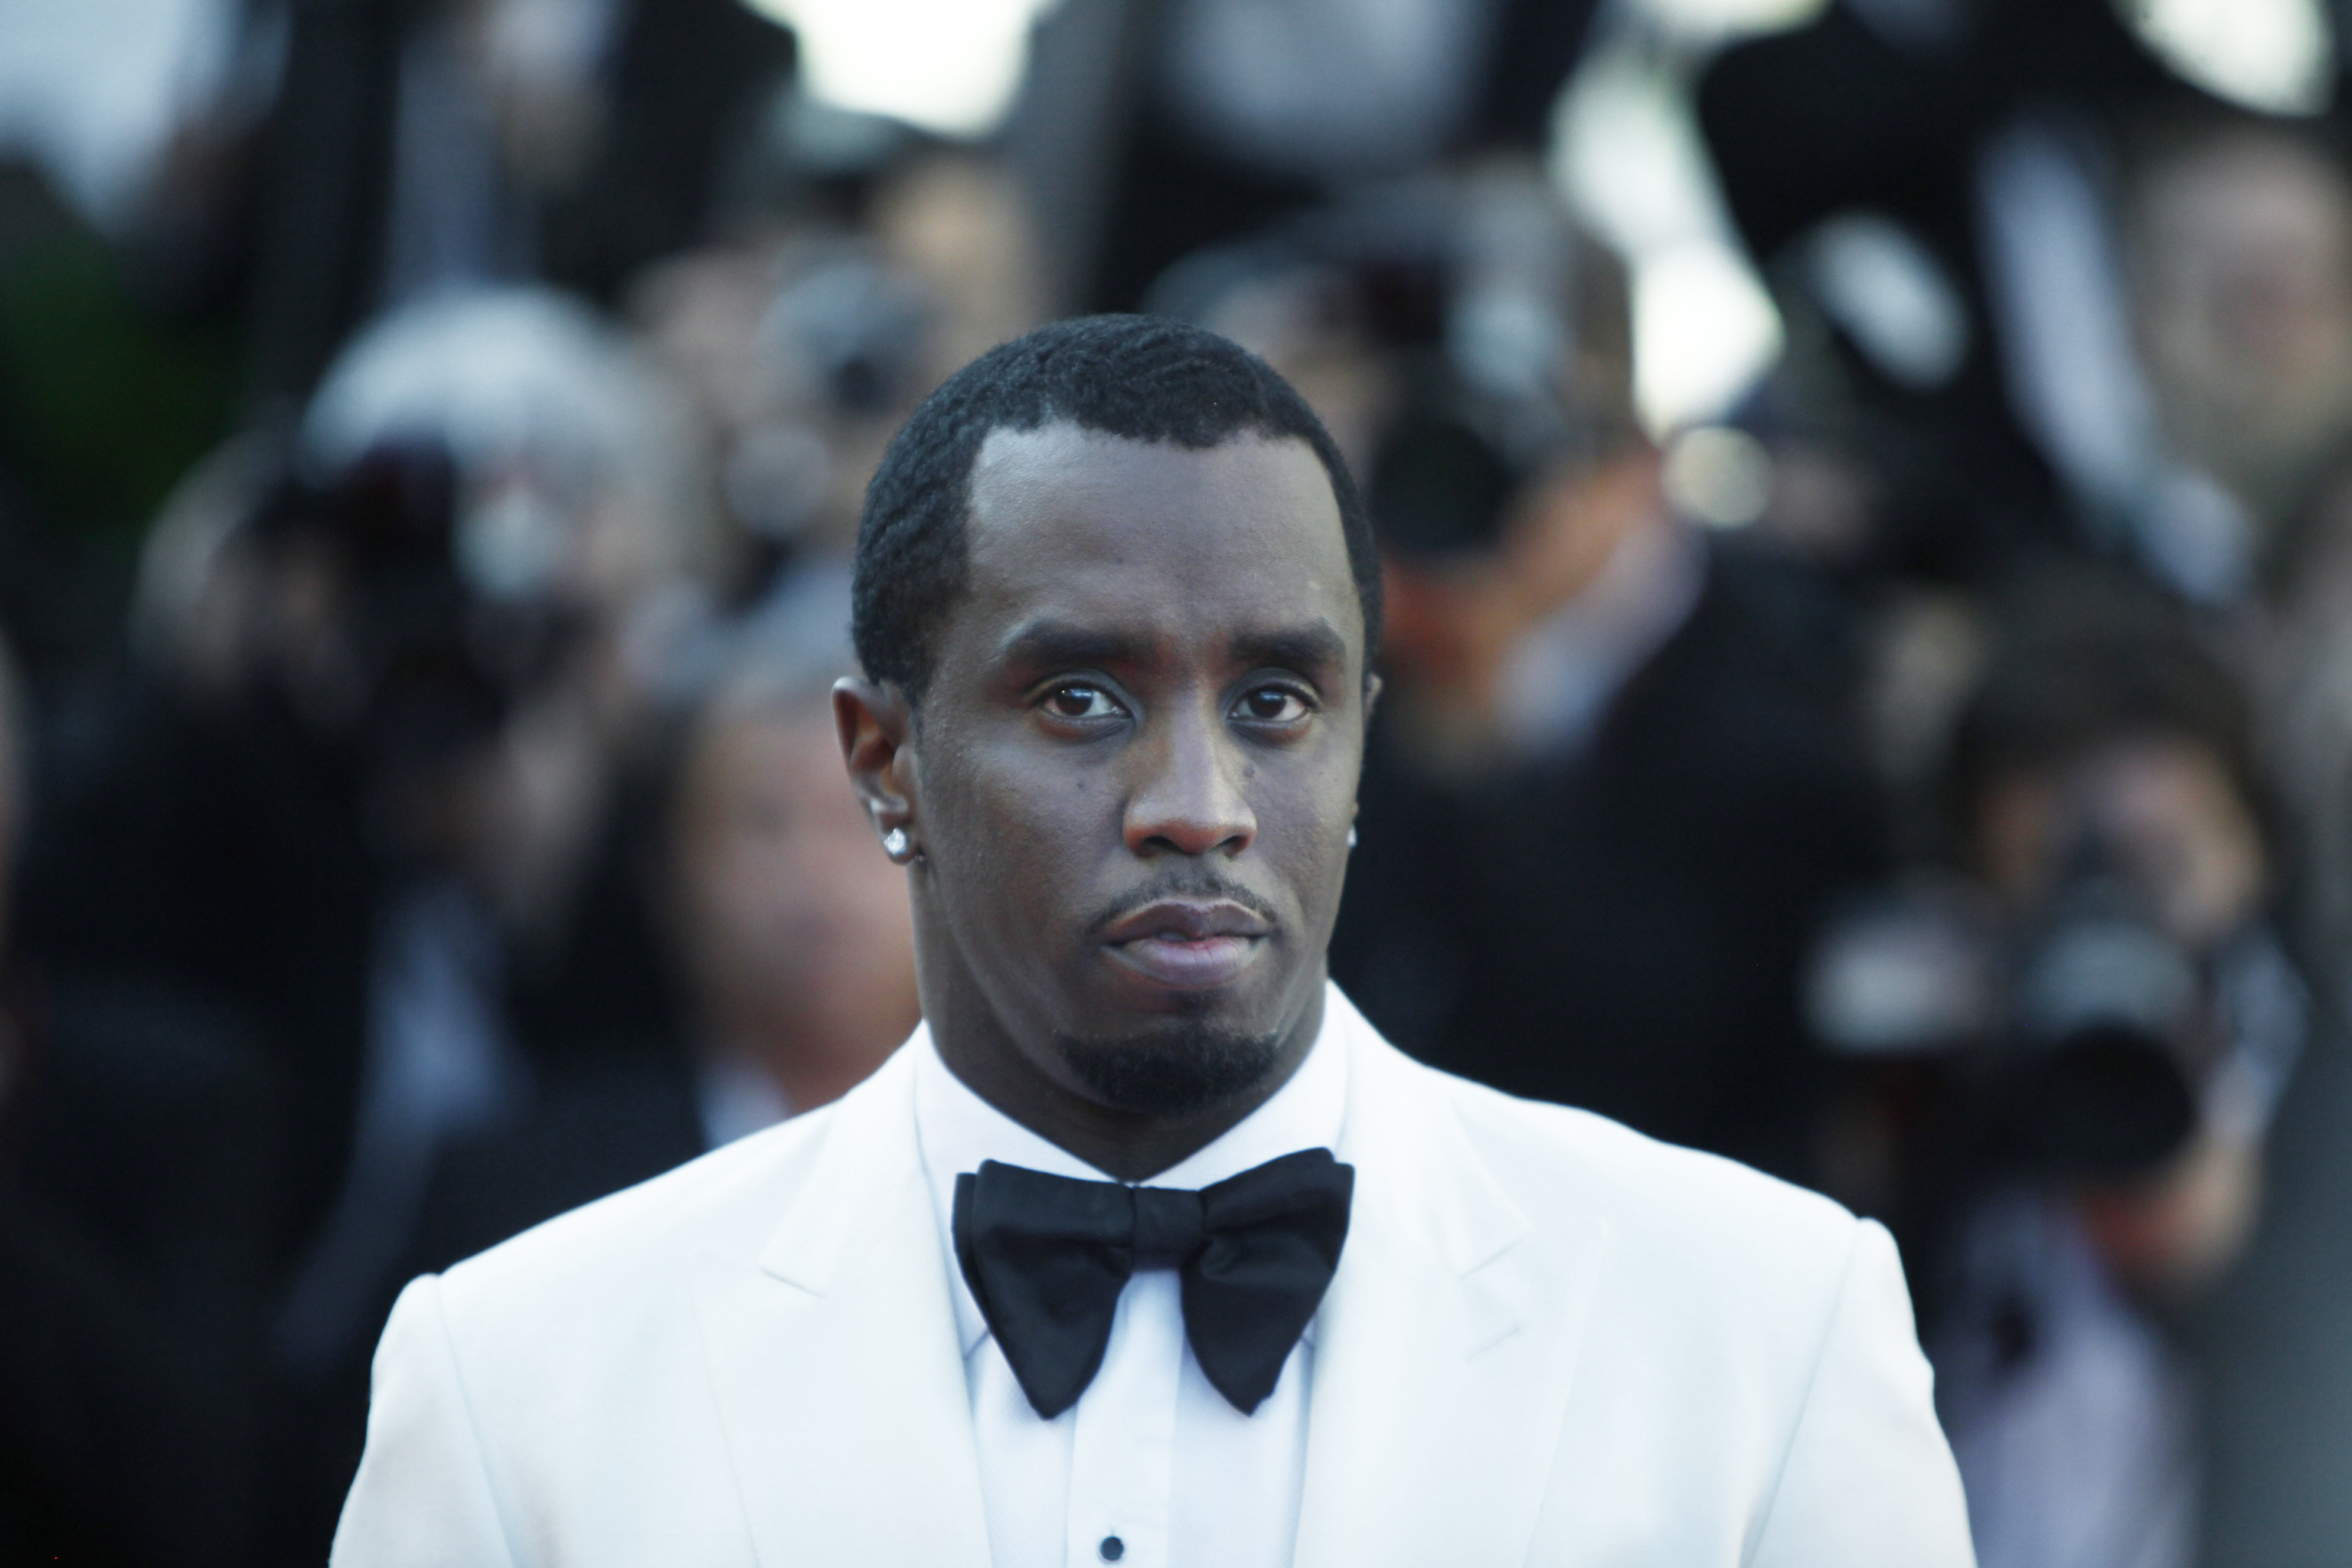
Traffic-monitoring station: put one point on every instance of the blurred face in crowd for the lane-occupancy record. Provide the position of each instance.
(1131, 782)
(2244, 271)
(2166, 808)
(793, 932)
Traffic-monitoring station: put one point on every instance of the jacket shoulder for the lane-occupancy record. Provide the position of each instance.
(1747, 1352)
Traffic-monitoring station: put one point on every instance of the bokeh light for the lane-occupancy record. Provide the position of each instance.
(948, 66)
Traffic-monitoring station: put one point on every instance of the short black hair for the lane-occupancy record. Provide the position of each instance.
(1141, 378)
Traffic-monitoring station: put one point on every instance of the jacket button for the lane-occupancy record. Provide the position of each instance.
(1112, 1548)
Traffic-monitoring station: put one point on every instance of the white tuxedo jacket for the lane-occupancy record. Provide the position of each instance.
(1549, 1342)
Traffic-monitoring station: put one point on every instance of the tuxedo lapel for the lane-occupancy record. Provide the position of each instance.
(1445, 1347)
(835, 1362)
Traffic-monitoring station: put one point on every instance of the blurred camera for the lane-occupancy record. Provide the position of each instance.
(860, 329)
(2106, 1013)
(394, 626)
(2070, 1036)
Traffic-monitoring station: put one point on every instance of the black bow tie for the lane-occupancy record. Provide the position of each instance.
(1046, 1257)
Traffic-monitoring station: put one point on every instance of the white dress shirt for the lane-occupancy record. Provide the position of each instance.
(1151, 1467)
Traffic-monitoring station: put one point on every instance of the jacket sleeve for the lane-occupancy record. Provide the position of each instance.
(1868, 1478)
(423, 1496)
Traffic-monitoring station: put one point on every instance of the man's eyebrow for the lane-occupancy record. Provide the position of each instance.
(1049, 642)
(1304, 646)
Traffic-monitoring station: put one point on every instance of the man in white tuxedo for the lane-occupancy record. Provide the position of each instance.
(1146, 1248)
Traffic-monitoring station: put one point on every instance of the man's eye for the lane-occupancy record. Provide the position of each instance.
(1273, 705)
(1079, 700)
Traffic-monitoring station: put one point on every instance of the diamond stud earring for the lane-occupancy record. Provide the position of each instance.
(894, 843)
(1352, 838)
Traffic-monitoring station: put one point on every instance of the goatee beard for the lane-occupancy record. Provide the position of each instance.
(1171, 1072)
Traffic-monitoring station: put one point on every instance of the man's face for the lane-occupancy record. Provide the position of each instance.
(1135, 766)
(2243, 292)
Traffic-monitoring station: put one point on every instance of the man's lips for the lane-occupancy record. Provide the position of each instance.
(1186, 919)
(1187, 944)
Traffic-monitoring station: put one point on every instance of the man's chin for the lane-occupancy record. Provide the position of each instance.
(1178, 1067)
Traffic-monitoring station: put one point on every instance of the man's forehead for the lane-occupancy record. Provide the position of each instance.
(1063, 513)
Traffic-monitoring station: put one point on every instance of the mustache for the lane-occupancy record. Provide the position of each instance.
(1197, 886)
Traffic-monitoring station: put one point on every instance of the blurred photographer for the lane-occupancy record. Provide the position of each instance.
(393, 682)
(2099, 1031)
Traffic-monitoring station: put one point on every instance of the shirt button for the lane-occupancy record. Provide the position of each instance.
(1112, 1548)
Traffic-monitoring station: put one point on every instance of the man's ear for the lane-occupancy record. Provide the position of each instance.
(875, 724)
(1371, 695)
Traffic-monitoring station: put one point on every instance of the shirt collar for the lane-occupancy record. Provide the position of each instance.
(956, 1130)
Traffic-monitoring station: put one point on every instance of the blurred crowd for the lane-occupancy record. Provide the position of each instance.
(426, 491)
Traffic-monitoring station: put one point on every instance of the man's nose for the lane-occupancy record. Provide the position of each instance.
(1189, 798)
